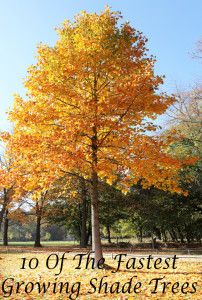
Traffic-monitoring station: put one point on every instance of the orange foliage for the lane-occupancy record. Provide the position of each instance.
(94, 90)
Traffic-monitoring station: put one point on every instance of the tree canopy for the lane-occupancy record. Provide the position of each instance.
(91, 99)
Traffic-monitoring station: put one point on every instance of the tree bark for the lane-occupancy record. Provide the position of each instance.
(188, 234)
(89, 235)
(180, 235)
(164, 236)
(5, 202)
(83, 241)
(108, 234)
(173, 235)
(140, 235)
(5, 232)
(96, 239)
(153, 241)
(38, 227)
(1, 215)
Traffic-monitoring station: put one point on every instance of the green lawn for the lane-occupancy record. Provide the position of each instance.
(44, 243)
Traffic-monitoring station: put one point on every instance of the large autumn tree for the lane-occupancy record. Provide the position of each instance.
(91, 99)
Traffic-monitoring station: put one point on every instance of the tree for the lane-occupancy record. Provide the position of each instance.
(185, 117)
(112, 206)
(69, 205)
(30, 181)
(10, 203)
(12, 214)
(90, 99)
(7, 184)
(198, 51)
(159, 213)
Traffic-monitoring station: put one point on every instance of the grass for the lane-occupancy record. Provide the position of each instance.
(72, 246)
(79, 286)
(43, 243)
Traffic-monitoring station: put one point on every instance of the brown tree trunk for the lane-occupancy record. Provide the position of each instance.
(188, 234)
(5, 232)
(173, 235)
(83, 241)
(96, 239)
(164, 236)
(108, 234)
(89, 233)
(5, 202)
(180, 235)
(38, 227)
(1, 215)
(140, 234)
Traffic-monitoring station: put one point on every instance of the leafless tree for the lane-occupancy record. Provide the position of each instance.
(186, 114)
(197, 54)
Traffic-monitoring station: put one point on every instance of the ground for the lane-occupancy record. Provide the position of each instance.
(179, 283)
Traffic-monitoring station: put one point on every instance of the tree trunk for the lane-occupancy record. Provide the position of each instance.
(38, 227)
(140, 235)
(5, 232)
(5, 202)
(180, 235)
(188, 234)
(96, 240)
(1, 215)
(89, 235)
(173, 235)
(153, 241)
(83, 240)
(164, 236)
(108, 234)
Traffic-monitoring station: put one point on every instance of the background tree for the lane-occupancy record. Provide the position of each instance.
(185, 117)
(69, 205)
(10, 202)
(198, 52)
(112, 206)
(7, 183)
